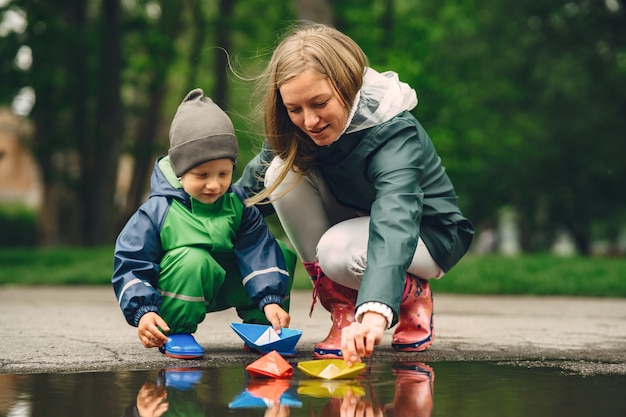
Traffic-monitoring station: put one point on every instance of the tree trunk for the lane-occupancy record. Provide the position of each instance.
(319, 11)
(199, 23)
(582, 237)
(100, 161)
(60, 83)
(386, 23)
(148, 130)
(222, 38)
(143, 155)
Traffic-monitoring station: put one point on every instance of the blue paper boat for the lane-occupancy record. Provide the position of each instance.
(263, 339)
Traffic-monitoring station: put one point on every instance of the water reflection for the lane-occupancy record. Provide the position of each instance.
(470, 389)
(267, 393)
(414, 390)
(413, 387)
(174, 393)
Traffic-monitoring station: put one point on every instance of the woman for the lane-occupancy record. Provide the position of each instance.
(359, 189)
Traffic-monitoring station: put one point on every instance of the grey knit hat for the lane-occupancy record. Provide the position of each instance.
(200, 132)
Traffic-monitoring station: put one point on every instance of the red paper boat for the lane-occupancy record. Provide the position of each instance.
(270, 390)
(271, 365)
(265, 393)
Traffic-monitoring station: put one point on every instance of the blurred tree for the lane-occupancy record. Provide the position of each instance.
(77, 115)
(80, 74)
(577, 77)
(151, 52)
(524, 100)
(320, 11)
(530, 96)
(108, 76)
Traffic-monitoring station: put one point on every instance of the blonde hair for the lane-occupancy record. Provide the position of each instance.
(309, 46)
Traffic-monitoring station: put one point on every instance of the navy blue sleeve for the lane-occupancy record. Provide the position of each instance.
(261, 261)
(137, 257)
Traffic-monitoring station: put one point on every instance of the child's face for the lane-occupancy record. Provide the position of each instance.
(209, 181)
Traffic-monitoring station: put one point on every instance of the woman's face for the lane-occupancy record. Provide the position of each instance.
(314, 106)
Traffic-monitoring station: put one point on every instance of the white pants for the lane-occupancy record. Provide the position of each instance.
(324, 231)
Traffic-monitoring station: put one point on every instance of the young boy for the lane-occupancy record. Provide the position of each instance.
(194, 247)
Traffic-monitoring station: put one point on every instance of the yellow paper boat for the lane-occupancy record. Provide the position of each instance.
(330, 368)
(329, 389)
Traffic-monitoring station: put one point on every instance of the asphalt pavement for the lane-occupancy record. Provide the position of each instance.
(81, 329)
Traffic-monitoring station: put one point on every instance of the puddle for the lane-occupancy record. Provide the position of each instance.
(384, 389)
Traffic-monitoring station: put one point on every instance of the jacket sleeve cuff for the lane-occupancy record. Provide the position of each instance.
(141, 311)
(270, 299)
(376, 307)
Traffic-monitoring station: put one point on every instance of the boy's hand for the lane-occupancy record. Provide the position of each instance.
(278, 317)
(152, 401)
(148, 330)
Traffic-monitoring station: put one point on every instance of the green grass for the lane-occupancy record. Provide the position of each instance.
(523, 275)
(536, 275)
(56, 266)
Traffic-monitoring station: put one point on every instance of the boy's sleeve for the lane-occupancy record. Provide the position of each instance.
(136, 266)
(253, 176)
(261, 261)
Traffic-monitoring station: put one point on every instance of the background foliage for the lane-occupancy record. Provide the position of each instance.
(525, 100)
(536, 274)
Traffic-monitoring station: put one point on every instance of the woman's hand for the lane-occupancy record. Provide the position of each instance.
(278, 317)
(358, 339)
(354, 406)
(148, 330)
(277, 410)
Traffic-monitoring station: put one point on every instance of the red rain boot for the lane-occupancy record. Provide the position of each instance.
(340, 302)
(414, 390)
(415, 331)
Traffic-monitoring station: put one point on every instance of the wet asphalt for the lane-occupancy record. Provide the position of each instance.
(81, 329)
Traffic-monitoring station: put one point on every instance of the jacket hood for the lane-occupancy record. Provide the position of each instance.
(382, 97)
(164, 183)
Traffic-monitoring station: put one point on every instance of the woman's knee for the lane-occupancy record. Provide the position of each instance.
(342, 253)
(423, 265)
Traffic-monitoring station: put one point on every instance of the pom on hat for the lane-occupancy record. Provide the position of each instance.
(200, 132)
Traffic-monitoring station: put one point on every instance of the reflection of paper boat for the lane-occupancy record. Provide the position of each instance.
(329, 389)
(330, 368)
(271, 365)
(263, 339)
(265, 393)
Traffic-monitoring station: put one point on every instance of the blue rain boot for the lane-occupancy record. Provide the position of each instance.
(182, 379)
(182, 346)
